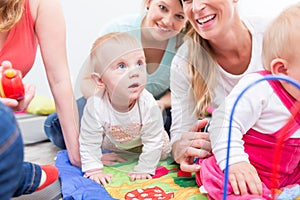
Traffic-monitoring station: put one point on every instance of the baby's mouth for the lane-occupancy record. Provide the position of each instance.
(135, 85)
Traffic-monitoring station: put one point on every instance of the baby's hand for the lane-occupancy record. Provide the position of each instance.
(139, 176)
(243, 177)
(101, 178)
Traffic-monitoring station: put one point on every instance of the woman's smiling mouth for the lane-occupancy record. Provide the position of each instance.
(206, 19)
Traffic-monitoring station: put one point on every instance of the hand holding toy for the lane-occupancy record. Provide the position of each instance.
(11, 85)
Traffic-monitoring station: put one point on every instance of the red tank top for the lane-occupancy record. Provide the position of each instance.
(21, 44)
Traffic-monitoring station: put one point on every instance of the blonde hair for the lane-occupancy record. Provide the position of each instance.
(110, 47)
(202, 71)
(11, 12)
(101, 39)
(279, 36)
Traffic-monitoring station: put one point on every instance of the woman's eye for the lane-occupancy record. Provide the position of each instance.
(162, 7)
(180, 16)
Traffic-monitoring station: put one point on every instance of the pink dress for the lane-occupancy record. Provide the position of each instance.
(21, 44)
(261, 150)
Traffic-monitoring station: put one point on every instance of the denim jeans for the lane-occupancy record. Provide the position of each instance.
(167, 119)
(16, 177)
(52, 126)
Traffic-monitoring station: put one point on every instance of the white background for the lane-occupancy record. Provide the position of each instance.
(84, 19)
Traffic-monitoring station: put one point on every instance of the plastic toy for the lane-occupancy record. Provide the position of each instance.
(11, 85)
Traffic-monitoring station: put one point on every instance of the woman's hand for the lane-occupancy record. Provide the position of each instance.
(165, 101)
(20, 105)
(161, 105)
(29, 92)
(193, 144)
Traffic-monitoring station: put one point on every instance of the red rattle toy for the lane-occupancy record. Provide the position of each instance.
(11, 85)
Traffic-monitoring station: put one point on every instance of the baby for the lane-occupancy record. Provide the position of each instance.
(126, 117)
(258, 122)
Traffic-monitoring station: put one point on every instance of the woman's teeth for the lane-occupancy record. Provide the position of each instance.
(205, 19)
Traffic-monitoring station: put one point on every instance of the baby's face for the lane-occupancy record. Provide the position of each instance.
(293, 65)
(294, 73)
(125, 77)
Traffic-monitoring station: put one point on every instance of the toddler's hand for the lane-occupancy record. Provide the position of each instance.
(243, 177)
(101, 178)
(139, 176)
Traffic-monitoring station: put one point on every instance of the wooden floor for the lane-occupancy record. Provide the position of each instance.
(41, 153)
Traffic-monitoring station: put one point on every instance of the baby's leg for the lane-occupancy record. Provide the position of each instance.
(166, 148)
(108, 145)
(293, 178)
(212, 178)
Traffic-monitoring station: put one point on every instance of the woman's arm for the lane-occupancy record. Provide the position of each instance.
(182, 98)
(51, 32)
(187, 140)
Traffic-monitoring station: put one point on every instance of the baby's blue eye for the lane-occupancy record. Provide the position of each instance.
(139, 64)
(122, 66)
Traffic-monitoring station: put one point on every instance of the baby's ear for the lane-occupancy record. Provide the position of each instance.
(279, 66)
(97, 79)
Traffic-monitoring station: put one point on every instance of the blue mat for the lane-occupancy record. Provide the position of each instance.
(74, 185)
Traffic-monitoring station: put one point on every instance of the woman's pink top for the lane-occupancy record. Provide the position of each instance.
(21, 44)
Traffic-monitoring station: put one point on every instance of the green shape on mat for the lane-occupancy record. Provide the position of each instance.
(185, 181)
(197, 197)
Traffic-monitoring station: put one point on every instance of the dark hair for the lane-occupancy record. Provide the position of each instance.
(180, 1)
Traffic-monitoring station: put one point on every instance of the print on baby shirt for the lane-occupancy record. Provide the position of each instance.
(122, 135)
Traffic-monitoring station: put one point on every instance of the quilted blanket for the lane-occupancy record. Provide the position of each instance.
(169, 182)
